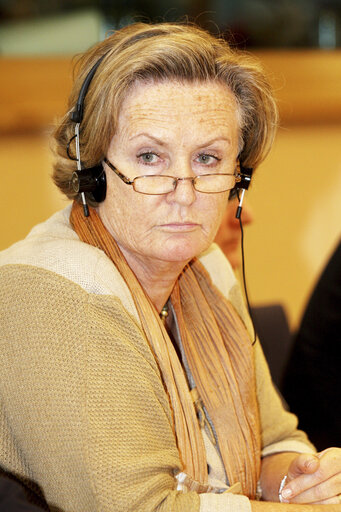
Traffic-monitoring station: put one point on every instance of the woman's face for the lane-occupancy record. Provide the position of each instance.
(177, 129)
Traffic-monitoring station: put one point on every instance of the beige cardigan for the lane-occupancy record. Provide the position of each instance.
(84, 413)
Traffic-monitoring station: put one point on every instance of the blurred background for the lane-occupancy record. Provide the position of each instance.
(296, 192)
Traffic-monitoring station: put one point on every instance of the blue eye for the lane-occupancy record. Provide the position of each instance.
(207, 159)
(148, 158)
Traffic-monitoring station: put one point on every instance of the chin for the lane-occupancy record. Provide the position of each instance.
(182, 252)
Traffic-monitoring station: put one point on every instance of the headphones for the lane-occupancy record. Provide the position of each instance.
(92, 180)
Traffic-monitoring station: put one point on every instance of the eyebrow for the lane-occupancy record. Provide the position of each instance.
(216, 139)
(143, 134)
(162, 143)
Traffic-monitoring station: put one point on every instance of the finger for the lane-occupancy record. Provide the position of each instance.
(328, 489)
(305, 463)
(332, 449)
(330, 501)
(310, 475)
(330, 460)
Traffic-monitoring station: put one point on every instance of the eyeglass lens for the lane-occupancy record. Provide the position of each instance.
(208, 183)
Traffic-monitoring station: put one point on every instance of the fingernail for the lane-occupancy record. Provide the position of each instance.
(286, 493)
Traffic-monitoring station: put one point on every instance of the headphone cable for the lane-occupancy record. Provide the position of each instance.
(244, 280)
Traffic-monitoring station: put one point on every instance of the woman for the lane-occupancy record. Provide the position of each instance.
(106, 407)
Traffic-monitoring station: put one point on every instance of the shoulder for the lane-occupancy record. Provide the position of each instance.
(219, 268)
(223, 278)
(48, 245)
(53, 247)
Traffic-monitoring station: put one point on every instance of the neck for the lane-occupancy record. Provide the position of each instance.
(156, 278)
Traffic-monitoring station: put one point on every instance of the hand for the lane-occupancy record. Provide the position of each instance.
(314, 478)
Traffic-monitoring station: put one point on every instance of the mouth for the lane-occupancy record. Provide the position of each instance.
(180, 226)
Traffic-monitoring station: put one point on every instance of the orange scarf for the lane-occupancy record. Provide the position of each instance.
(220, 358)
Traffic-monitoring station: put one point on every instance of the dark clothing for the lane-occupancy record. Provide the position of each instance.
(14, 497)
(273, 331)
(312, 384)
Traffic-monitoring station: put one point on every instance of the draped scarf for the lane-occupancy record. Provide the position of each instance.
(220, 358)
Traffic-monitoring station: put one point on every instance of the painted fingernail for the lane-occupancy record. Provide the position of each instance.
(286, 493)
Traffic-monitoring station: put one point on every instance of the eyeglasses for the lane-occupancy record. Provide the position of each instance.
(157, 185)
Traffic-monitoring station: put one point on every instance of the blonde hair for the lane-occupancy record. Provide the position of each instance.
(165, 51)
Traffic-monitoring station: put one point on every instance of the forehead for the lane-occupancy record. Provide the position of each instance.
(171, 103)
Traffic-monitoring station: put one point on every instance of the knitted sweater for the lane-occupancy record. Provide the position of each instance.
(84, 413)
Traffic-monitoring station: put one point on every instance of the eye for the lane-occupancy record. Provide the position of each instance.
(207, 159)
(148, 157)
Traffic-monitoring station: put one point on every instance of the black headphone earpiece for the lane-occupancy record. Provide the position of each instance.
(245, 175)
(92, 181)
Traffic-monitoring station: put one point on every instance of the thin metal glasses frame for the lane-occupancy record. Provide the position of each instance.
(193, 179)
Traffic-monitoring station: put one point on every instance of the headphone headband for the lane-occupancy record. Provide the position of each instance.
(77, 114)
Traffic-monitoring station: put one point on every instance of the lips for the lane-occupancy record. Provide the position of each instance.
(180, 226)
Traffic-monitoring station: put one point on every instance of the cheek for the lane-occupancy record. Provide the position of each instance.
(216, 208)
(213, 211)
(120, 198)
(127, 212)
(116, 207)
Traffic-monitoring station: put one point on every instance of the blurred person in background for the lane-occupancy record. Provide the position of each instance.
(269, 320)
(312, 353)
(229, 234)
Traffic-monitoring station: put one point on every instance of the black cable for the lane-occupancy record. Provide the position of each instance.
(244, 280)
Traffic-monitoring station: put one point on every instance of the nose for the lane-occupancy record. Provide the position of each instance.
(184, 193)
